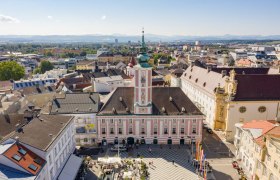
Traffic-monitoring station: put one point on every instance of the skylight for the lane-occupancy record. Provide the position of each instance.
(16, 157)
(38, 161)
(32, 167)
(22, 151)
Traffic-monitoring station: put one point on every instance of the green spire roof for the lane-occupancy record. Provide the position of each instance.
(143, 57)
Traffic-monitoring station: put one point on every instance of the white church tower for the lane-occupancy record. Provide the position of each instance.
(143, 82)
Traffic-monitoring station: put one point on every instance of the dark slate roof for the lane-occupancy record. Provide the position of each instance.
(163, 72)
(174, 107)
(9, 123)
(178, 72)
(76, 103)
(42, 131)
(257, 87)
(154, 73)
(241, 70)
(105, 54)
(109, 72)
(90, 75)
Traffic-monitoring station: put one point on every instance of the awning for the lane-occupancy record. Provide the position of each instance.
(71, 168)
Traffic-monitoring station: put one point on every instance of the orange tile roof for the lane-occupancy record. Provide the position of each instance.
(26, 160)
(275, 132)
(265, 125)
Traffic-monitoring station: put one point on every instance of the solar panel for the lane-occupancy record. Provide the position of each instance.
(22, 151)
(33, 167)
(38, 161)
(16, 157)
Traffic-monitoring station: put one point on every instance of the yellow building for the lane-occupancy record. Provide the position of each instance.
(84, 65)
(268, 160)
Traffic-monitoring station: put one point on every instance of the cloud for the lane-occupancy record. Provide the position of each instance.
(103, 17)
(8, 19)
(50, 17)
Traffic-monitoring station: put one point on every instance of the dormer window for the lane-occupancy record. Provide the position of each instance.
(32, 167)
(16, 157)
(22, 151)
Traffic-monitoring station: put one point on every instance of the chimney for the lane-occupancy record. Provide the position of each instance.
(17, 140)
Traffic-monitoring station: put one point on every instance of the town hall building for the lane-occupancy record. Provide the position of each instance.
(147, 114)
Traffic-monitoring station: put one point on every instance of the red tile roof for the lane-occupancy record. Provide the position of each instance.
(267, 126)
(260, 124)
(26, 160)
(275, 132)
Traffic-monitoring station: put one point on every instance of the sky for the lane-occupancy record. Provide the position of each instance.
(127, 17)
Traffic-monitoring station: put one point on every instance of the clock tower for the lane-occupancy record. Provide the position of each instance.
(143, 82)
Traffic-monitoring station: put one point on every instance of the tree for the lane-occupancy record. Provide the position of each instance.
(45, 66)
(11, 70)
(37, 71)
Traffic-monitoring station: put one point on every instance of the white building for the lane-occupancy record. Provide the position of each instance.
(33, 82)
(229, 96)
(109, 83)
(249, 142)
(83, 106)
(41, 149)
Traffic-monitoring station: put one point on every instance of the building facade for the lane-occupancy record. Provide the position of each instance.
(47, 142)
(83, 107)
(227, 96)
(148, 114)
(258, 150)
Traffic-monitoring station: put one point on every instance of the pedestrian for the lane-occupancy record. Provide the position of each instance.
(173, 162)
(150, 150)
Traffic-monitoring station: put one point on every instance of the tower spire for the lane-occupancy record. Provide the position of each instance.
(143, 48)
(143, 56)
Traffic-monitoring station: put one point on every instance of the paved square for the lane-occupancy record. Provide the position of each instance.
(163, 168)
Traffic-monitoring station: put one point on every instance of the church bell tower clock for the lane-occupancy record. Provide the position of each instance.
(143, 82)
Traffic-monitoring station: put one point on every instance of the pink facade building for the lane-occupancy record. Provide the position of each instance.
(159, 115)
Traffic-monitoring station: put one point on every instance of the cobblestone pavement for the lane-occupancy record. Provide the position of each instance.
(163, 168)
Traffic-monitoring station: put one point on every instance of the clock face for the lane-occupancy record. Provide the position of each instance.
(143, 79)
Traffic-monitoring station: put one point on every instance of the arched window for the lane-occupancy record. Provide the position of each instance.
(262, 109)
(242, 109)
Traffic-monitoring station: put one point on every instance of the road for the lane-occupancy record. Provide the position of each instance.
(220, 156)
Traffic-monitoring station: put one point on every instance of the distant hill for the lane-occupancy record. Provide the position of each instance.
(123, 38)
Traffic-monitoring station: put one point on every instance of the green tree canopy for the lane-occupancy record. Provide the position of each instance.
(11, 70)
(44, 66)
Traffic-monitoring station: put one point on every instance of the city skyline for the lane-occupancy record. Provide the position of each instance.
(184, 18)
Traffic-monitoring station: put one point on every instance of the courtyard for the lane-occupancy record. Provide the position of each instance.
(159, 160)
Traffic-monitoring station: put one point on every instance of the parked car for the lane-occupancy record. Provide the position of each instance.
(118, 146)
(209, 130)
(205, 126)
